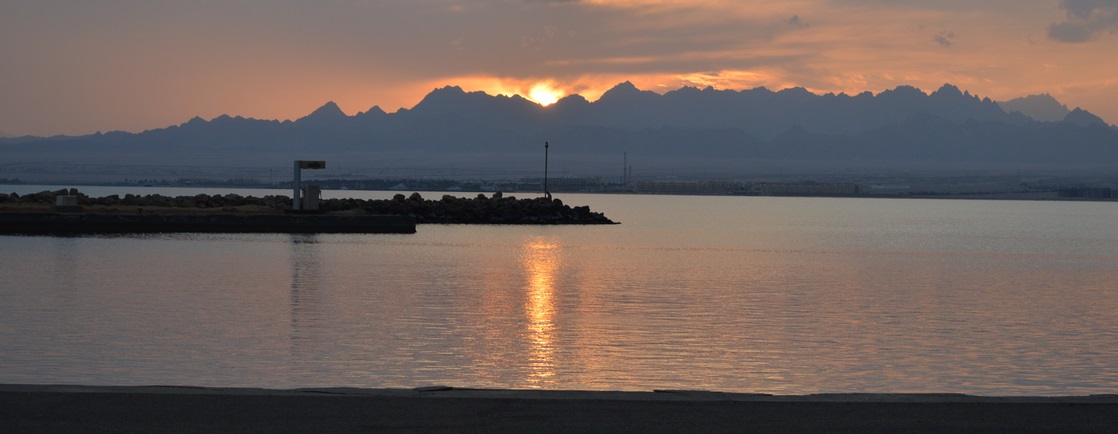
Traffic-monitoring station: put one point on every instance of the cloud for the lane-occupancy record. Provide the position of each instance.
(795, 21)
(944, 38)
(1086, 19)
(1084, 8)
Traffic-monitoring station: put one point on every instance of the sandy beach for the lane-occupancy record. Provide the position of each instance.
(96, 409)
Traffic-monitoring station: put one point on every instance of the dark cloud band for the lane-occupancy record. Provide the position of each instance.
(1086, 19)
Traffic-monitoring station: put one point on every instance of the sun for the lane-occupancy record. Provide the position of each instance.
(544, 94)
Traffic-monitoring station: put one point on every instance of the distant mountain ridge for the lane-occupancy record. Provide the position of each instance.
(1041, 107)
(687, 128)
(759, 112)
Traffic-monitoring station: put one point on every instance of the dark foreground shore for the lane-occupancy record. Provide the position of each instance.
(66, 409)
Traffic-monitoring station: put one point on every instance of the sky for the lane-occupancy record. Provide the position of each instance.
(78, 66)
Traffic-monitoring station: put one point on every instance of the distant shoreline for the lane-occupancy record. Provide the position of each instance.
(1071, 194)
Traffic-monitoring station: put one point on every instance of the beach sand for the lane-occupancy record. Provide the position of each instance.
(95, 409)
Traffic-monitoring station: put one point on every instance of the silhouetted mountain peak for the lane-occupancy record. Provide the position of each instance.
(1043, 107)
(442, 93)
(451, 99)
(572, 99)
(622, 92)
(570, 102)
(449, 90)
(906, 90)
(690, 90)
(797, 91)
(328, 111)
(1083, 118)
(373, 111)
(626, 86)
(949, 90)
(195, 121)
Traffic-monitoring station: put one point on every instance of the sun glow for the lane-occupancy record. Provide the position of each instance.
(545, 94)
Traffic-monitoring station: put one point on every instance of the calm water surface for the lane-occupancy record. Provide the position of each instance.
(746, 294)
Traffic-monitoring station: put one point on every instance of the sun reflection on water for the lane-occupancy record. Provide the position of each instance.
(541, 261)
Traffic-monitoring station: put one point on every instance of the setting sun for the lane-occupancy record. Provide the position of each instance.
(544, 94)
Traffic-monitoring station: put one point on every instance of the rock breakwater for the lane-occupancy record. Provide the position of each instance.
(495, 209)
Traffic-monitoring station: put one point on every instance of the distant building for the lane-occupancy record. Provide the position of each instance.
(562, 184)
(748, 189)
(806, 189)
(689, 187)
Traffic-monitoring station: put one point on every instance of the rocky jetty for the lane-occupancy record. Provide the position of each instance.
(479, 210)
(496, 209)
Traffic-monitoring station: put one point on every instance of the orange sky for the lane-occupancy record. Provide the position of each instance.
(76, 67)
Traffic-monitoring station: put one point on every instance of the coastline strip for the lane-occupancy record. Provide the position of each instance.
(67, 408)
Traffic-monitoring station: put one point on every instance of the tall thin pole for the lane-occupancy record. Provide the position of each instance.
(296, 203)
(545, 191)
(624, 166)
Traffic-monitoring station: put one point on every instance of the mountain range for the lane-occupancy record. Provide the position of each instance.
(681, 132)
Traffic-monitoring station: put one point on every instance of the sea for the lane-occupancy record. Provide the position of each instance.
(777, 295)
